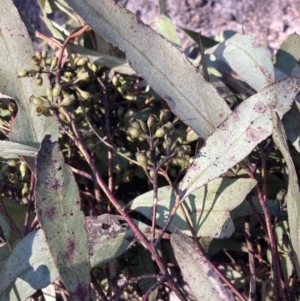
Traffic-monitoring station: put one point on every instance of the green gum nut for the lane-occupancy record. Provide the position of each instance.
(39, 80)
(81, 61)
(143, 125)
(22, 73)
(164, 115)
(53, 63)
(160, 132)
(84, 95)
(32, 73)
(152, 122)
(25, 190)
(134, 132)
(41, 110)
(12, 163)
(142, 159)
(48, 61)
(12, 107)
(13, 178)
(115, 81)
(23, 169)
(130, 97)
(67, 100)
(151, 174)
(84, 76)
(135, 123)
(36, 59)
(44, 54)
(56, 91)
(36, 100)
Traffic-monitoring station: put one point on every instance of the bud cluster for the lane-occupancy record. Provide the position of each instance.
(160, 132)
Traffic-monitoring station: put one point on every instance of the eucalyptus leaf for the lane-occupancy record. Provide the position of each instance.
(194, 36)
(286, 59)
(197, 270)
(4, 253)
(246, 58)
(248, 125)
(163, 66)
(100, 59)
(27, 128)
(145, 265)
(14, 148)
(288, 54)
(293, 195)
(31, 267)
(165, 27)
(58, 211)
(209, 208)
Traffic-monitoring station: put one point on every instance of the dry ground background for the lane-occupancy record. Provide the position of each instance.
(273, 20)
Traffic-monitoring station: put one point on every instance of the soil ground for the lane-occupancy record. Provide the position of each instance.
(268, 20)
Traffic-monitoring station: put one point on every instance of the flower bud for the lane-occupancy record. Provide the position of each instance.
(39, 80)
(142, 159)
(12, 163)
(36, 59)
(130, 97)
(25, 190)
(23, 169)
(67, 100)
(168, 142)
(48, 61)
(37, 100)
(92, 67)
(143, 125)
(12, 107)
(83, 76)
(133, 132)
(180, 162)
(84, 95)
(164, 115)
(32, 73)
(135, 123)
(151, 174)
(115, 80)
(41, 110)
(152, 122)
(53, 63)
(22, 73)
(160, 132)
(56, 91)
(13, 178)
(44, 54)
(81, 61)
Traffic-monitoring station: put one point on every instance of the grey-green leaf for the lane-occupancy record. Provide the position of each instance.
(163, 65)
(14, 148)
(293, 195)
(101, 59)
(197, 270)
(246, 58)
(165, 27)
(30, 267)
(15, 55)
(235, 138)
(288, 55)
(58, 211)
(209, 208)
(286, 59)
